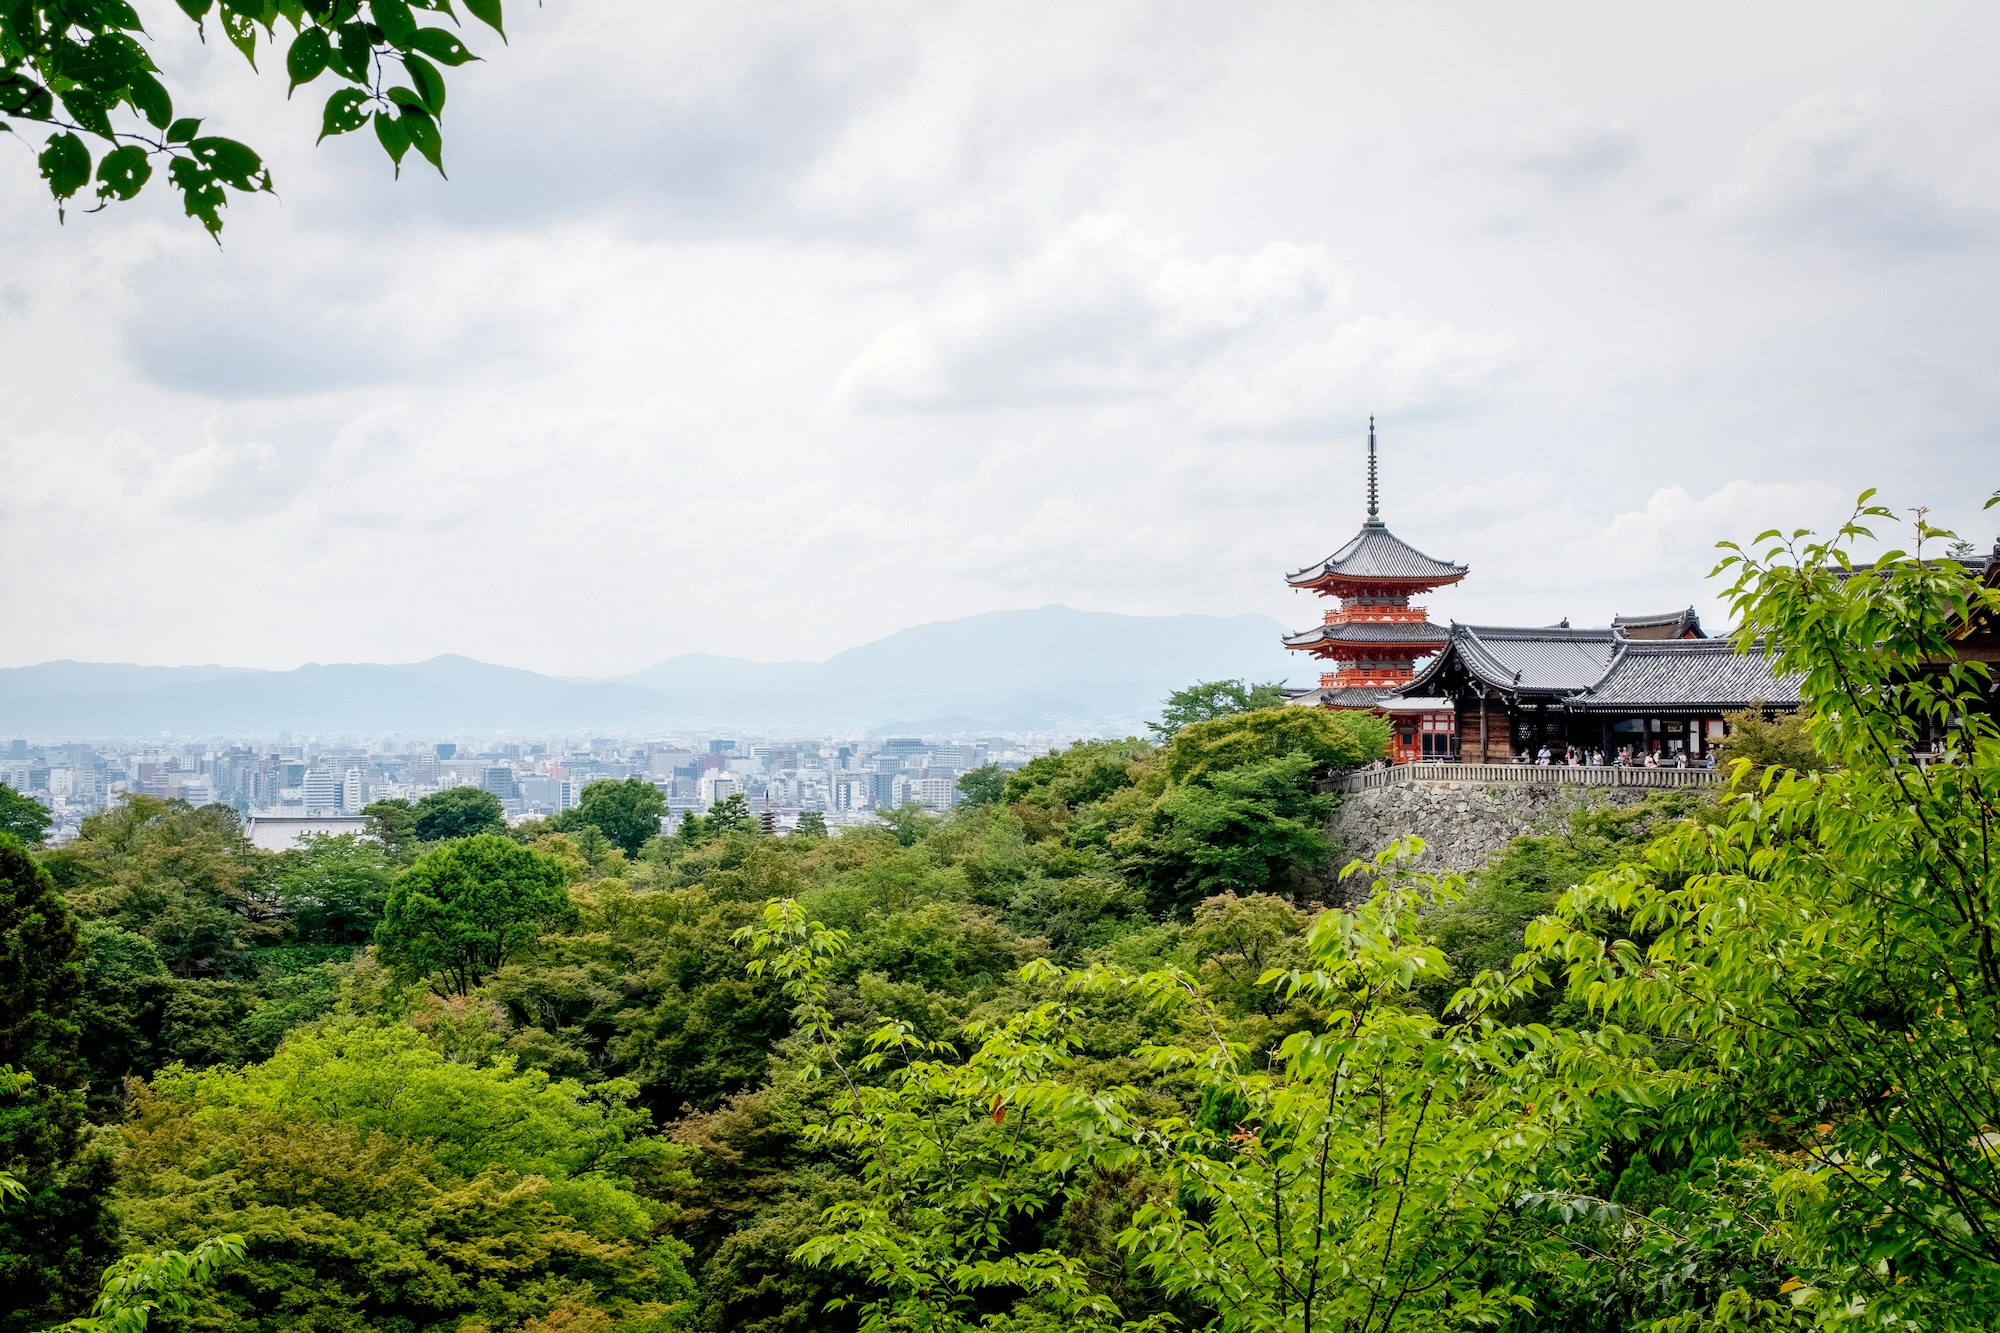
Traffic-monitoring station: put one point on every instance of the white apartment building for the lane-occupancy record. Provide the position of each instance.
(717, 786)
(321, 790)
(936, 793)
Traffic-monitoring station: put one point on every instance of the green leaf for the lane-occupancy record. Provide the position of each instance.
(395, 139)
(202, 196)
(442, 46)
(423, 132)
(65, 164)
(118, 14)
(153, 101)
(107, 63)
(22, 96)
(307, 58)
(89, 110)
(487, 12)
(430, 83)
(393, 17)
(183, 129)
(357, 52)
(231, 162)
(242, 33)
(195, 9)
(345, 112)
(122, 172)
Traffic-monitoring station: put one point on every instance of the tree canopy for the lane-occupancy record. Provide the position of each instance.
(58, 1230)
(21, 816)
(1208, 699)
(627, 812)
(455, 812)
(464, 908)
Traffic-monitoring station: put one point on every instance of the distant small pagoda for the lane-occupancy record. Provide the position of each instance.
(1376, 637)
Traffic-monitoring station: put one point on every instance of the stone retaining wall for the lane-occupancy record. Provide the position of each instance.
(1462, 823)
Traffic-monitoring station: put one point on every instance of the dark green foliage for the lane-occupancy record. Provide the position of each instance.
(812, 824)
(53, 1241)
(910, 822)
(463, 909)
(628, 812)
(983, 786)
(21, 816)
(1253, 828)
(137, 1017)
(1331, 739)
(183, 878)
(457, 812)
(731, 814)
(334, 888)
(78, 67)
(1210, 699)
(393, 824)
(1085, 773)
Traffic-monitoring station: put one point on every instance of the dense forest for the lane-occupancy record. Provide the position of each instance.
(1120, 1043)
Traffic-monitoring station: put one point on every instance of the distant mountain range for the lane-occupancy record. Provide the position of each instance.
(1002, 671)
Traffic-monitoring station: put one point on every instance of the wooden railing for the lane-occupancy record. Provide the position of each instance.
(1552, 775)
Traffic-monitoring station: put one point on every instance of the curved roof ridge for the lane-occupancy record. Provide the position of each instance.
(1377, 553)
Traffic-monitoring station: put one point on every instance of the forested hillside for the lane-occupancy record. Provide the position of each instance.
(1117, 1045)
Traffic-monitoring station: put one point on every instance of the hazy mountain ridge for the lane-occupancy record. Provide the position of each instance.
(1004, 670)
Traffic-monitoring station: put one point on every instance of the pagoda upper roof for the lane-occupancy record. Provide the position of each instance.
(1379, 556)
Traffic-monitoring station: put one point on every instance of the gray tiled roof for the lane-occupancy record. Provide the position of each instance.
(1334, 696)
(1680, 621)
(1543, 661)
(1417, 633)
(1687, 673)
(1377, 553)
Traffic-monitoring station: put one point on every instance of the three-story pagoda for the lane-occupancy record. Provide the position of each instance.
(1375, 637)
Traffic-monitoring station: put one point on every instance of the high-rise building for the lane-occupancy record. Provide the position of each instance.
(354, 793)
(499, 779)
(716, 787)
(321, 790)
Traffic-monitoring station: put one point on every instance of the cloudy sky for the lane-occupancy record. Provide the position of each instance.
(770, 328)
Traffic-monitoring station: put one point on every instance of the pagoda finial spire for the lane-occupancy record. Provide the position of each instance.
(1374, 498)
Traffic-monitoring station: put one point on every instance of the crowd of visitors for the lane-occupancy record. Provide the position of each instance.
(1624, 757)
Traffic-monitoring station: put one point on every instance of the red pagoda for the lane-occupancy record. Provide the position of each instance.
(1375, 638)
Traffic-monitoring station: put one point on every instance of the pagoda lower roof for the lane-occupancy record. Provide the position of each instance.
(1338, 696)
(1390, 634)
(1376, 556)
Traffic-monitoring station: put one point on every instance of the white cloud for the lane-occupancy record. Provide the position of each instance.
(1833, 168)
(1575, 155)
(1537, 557)
(1377, 363)
(1102, 310)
